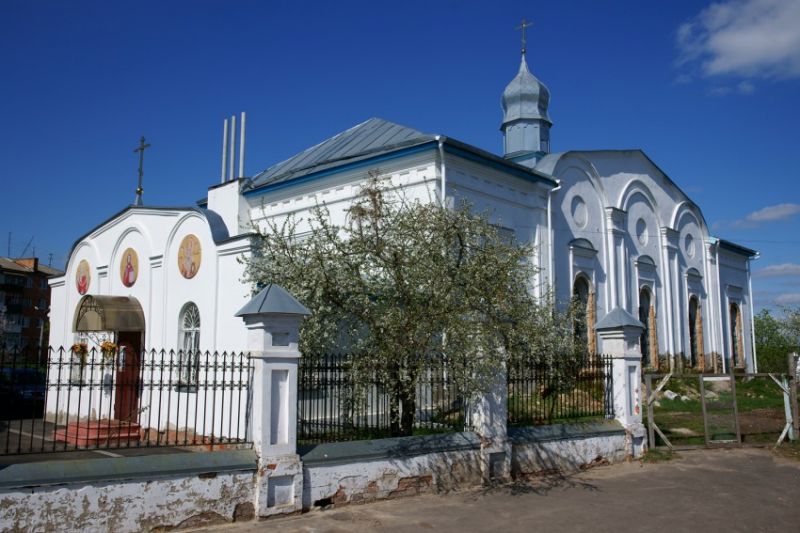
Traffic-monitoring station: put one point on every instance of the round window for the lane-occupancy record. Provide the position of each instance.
(641, 231)
(579, 214)
(688, 245)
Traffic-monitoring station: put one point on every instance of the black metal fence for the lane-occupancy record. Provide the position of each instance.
(333, 404)
(83, 399)
(565, 390)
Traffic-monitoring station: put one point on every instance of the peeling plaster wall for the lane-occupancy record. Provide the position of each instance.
(120, 507)
(389, 478)
(567, 455)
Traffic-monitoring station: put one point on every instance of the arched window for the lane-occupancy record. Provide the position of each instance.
(645, 304)
(737, 357)
(584, 317)
(189, 344)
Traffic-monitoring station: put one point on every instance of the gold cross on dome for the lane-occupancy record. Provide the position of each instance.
(522, 27)
(139, 190)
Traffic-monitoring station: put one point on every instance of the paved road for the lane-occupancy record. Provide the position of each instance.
(710, 490)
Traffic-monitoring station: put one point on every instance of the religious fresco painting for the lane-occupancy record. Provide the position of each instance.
(83, 277)
(189, 256)
(129, 267)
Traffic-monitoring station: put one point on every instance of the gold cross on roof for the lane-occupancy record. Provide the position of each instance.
(522, 27)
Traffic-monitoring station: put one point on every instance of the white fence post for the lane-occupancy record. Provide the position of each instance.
(619, 333)
(273, 320)
(490, 421)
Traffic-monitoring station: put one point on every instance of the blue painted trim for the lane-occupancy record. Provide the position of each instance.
(509, 167)
(430, 145)
(518, 172)
(736, 248)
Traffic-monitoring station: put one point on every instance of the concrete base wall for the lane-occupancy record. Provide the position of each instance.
(128, 494)
(567, 448)
(161, 492)
(389, 478)
(123, 507)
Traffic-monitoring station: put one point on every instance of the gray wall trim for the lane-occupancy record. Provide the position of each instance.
(355, 451)
(119, 469)
(565, 431)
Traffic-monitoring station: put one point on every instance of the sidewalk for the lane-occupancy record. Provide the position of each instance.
(711, 490)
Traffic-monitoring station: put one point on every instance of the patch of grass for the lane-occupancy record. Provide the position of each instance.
(679, 406)
(789, 450)
(658, 456)
(758, 393)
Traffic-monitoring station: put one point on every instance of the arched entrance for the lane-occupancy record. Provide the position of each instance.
(645, 308)
(123, 316)
(696, 355)
(737, 348)
(583, 328)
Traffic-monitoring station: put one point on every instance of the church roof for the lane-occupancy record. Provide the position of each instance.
(371, 139)
(737, 248)
(525, 97)
(367, 139)
(219, 232)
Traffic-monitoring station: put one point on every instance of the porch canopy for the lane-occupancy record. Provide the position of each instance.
(108, 313)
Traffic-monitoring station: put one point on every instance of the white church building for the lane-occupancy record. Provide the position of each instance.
(609, 227)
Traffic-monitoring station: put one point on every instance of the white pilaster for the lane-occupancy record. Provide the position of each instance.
(618, 334)
(489, 421)
(272, 339)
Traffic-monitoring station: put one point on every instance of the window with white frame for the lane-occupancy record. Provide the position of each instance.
(189, 344)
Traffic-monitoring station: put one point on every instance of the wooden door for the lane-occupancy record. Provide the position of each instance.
(126, 403)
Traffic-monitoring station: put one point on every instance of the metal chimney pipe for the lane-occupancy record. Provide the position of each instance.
(224, 150)
(233, 147)
(241, 148)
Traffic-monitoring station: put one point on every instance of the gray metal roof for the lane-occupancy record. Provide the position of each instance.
(525, 97)
(363, 140)
(618, 318)
(273, 299)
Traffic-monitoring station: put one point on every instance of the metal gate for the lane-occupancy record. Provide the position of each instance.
(715, 407)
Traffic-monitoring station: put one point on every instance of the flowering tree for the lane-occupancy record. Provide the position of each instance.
(775, 337)
(401, 283)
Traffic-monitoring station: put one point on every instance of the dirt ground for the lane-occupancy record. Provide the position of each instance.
(741, 489)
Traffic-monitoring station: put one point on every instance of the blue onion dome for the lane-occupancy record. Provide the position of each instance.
(525, 97)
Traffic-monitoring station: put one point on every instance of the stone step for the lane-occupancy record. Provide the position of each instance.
(97, 432)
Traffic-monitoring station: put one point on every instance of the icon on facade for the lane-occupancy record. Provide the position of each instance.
(129, 267)
(83, 276)
(189, 255)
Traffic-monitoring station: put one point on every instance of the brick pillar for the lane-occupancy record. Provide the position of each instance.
(619, 334)
(273, 319)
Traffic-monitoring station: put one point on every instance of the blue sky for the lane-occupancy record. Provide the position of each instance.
(709, 91)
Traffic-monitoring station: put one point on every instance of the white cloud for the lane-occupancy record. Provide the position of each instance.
(744, 87)
(719, 91)
(789, 298)
(748, 38)
(774, 271)
(772, 213)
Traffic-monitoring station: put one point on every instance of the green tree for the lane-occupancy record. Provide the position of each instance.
(773, 340)
(790, 326)
(400, 283)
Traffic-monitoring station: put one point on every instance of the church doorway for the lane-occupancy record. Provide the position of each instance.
(126, 399)
(123, 317)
